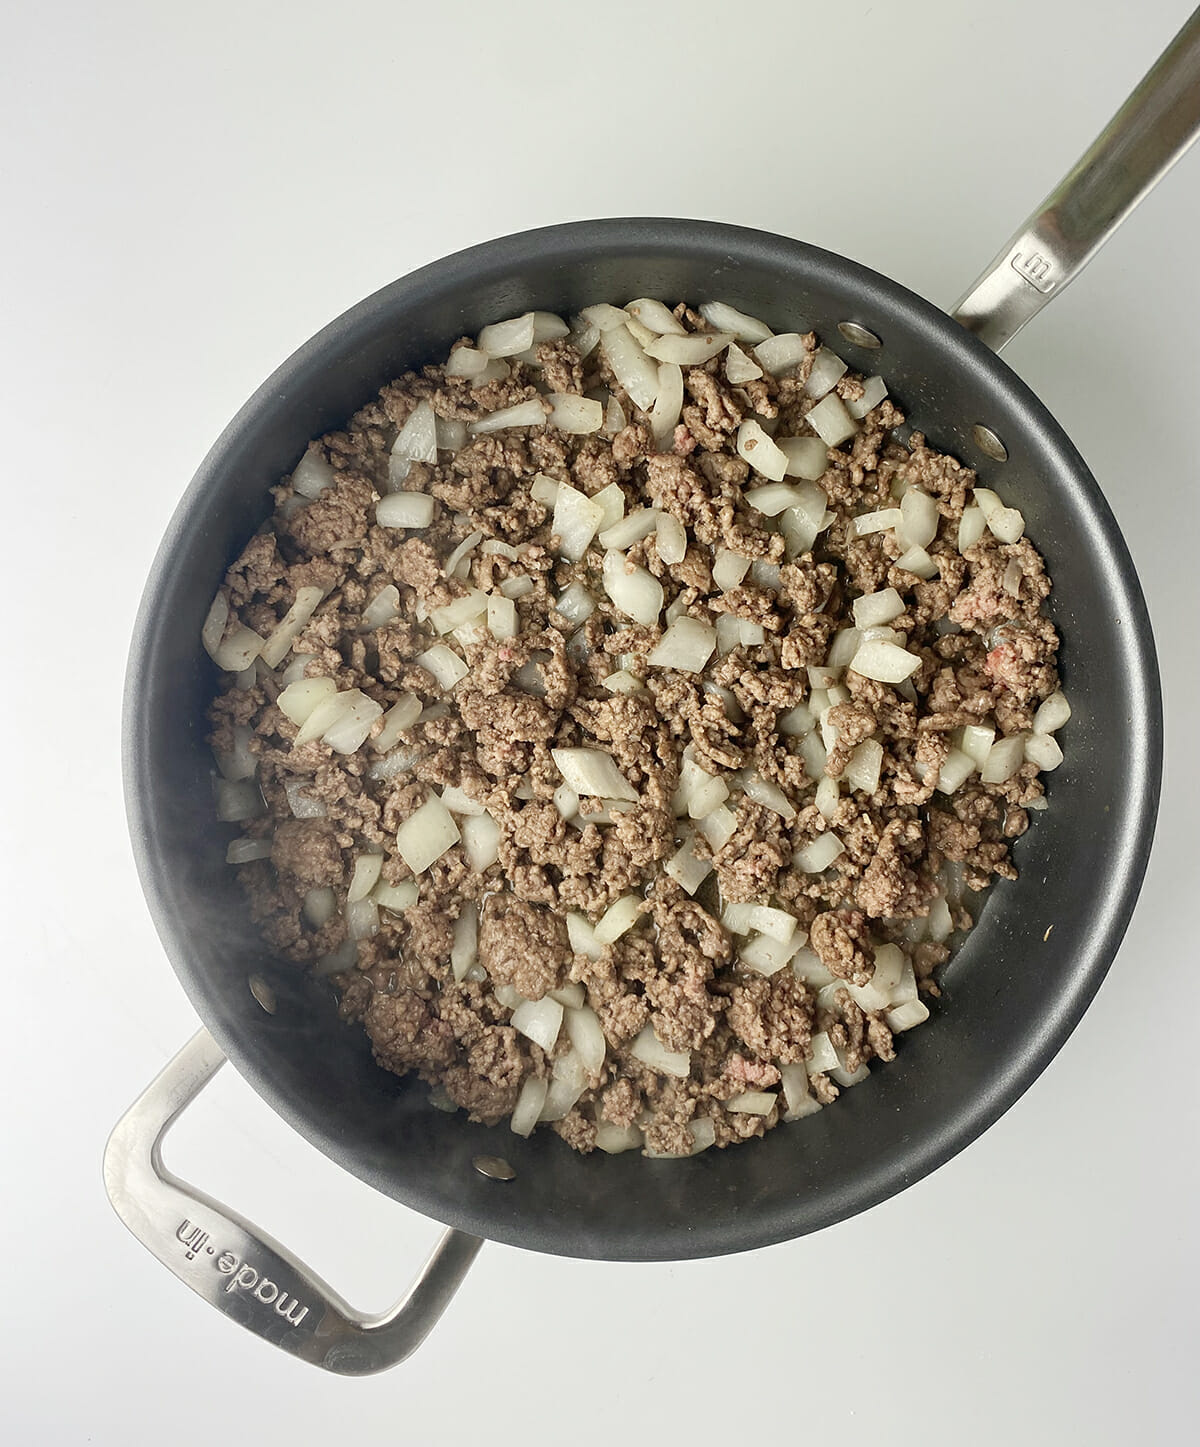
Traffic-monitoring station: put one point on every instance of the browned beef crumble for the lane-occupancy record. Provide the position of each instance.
(987, 654)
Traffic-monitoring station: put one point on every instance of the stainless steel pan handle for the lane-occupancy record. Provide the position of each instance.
(236, 1267)
(1141, 143)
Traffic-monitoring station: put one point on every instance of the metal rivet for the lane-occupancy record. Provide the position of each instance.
(494, 1168)
(859, 336)
(262, 992)
(988, 443)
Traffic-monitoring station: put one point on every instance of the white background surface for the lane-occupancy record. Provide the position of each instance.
(191, 191)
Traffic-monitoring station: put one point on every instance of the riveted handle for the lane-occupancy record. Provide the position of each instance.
(239, 1269)
(1137, 148)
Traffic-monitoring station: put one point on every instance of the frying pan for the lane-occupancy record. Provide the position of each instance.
(1012, 995)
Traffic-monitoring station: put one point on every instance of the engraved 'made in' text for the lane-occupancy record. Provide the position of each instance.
(241, 1276)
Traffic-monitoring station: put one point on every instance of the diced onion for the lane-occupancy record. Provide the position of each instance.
(238, 650)
(767, 955)
(822, 1056)
(668, 404)
(467, 546)
(769, 795)
(687, 868)
(759, 450)
(481, 841)
(807, 457)
(1043, 750)
(656, 316)
(670, 539)
(875, 522)
(633, 590)
(415, 442)
(613, 1139)
(539, 1021)
(582, 937)
(505, 339)
(919, 518)
(726, 318)
(739, 367)
(634, 371)
(445, 665)
(301, 803)
(611, 502)
(516, 587)
(464, 951)
(971, 528)
(1052, 714)
(466, 362)
(587, 1037)
(404, 510)
(687, 645)
(918, 562)
(472, 605)
(975, 740)
(1004, 758)
(691, 350)
(426, 835)
(354, 722)
(529, 1105)
(884, 662)
(618, 918)
(874, 609)
(797, 721)
(313, 473)
(874, 391)
(800, 1102)
(631, 529)
(397, 720)
(575, 604)
(650, 1050)
(819, 854)
(395, 897)
(864, 765)
(289, 628)
(772, 498)
(574, 414)
(522, 414)
(458, 801)
(588, 771)
(576, 521)
(827, 370)
(242, 851)
(365, 877)
(362, 919)
(299, 699)
(502, 617)
(781, 353)
(829, 796)
(904, 1017)
(604, 316)
(729, 568)
(718, 827)
(752, 1102)
(955, 771)
(830, 420)
(383, 608)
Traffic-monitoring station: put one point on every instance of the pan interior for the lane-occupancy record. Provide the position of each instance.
(1010, 997)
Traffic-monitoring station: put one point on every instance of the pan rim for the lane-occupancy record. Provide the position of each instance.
(570, 242)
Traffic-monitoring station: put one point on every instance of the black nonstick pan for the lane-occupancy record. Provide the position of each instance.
(1011, 996)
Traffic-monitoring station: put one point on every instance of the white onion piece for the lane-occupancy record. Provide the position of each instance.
(299, 699)
(415, 442)
(1043, 751)
(766, 955)
(404, 510)
(507, 996)
(458, 801)
(622, 681)
(827, 370)
(452, 615)
(904, 1017)
(846, 1078)
(301, 803)
(238, 650)
(830, 420)
(575, 604)
(365, 877)
(468, 545)
(582, 937)
(863, 767)
(707, 796)
(874, 609)
(799, 1100)
(642, 335)
(529, 1105)
(668, 404)
(807, 457)
(574, 414)
(955, 771)
(884, 662)
(691, 350)
(568, 1081)
(289, 628)
(1004, 759)
(576, 521)
(517, 587)
(505, 339)
(633, 590)
(670, 539)
(539, 1021)
(566, 801)
(774, 497)
(778, 924)
(313, 473)
(919, 518)
(687, 645)
(812, 750)
(548, 327)
(383, 608)
(426, 835)
(611, 502)
(617, 918)
(807, 967)
(444, 664)
(828, 797)
(941, 927)
(585, 338)
(349, 730)
(906, 987)
(320, 905)
(718, 827)
(481, 841)
(214, 624)
(797, 721)
(396, 897)
(571, 995)
(398, 719)
(780, 354)
(971, 528)
(502, 617)
(686, 867)
(466, 362)
(725, 318)
(634, 371)
(1006, 524)
(544, 489)
(398, 762)
(451, 433)
(759, 450)
(464, 952)
(362, 919)
(522, 414)
(918, 562)
(874, 391)
(975, 740)
(656, 316)
(323, 715)
(631, 529)
(342, 959)
(243, 851)
(587, 1037)
(590, 772)
(875, 522)
(604, 317)
(1012, 578)
(650, 1050)
(614, 418)
(1052, 714)
(819, 854)
(769, 795)
(752, 1102)
(613, 1139)
(739, 367)
(822, 1056)
(729, 568)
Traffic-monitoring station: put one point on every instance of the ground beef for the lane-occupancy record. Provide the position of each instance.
(433, 962)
